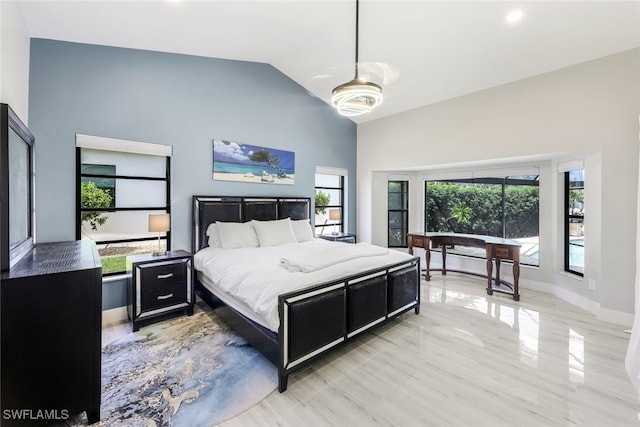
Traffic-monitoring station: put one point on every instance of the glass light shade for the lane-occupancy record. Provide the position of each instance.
(356, 97)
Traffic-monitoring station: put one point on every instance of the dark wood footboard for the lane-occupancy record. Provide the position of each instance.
(317, 319)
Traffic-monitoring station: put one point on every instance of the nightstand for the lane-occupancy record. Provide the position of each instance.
(339, 237)
(159, 287)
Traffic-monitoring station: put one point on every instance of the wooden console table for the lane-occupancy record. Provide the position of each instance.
(496, 249)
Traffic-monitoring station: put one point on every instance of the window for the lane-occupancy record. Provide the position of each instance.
(398, 216)
(574, 222)
(329, 200)
(98, 175)
(506, 207)
(119, 184)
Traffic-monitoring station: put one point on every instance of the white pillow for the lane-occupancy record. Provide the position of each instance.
(235, 235)
(214, 236)
(274, 233)
(302, 230)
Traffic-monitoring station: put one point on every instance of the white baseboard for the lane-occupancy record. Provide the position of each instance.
(612, 316)
(114, 316)
(617, 317)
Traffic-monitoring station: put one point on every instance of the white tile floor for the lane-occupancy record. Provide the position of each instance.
(468, 359)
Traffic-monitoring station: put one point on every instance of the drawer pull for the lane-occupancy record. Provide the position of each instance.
(165, 276)
(161, 297)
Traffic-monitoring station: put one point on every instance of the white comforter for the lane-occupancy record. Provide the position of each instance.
(255, 276)
(328, 255)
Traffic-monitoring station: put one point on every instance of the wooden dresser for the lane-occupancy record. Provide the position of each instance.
(51, 315)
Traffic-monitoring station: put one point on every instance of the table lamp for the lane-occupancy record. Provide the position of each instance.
(334, 215)
(159, 223)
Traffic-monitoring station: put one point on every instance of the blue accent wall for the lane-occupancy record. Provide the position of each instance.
(179, 100)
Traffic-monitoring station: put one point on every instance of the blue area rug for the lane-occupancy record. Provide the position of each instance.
(189, 371)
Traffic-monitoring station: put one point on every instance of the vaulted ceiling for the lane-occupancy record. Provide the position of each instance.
(420, 52)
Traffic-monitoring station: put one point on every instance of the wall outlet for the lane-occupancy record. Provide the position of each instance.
(592, 284)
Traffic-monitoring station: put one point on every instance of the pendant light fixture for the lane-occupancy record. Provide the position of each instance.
(357, 96)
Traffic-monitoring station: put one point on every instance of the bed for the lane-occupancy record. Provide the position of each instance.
(299, 306)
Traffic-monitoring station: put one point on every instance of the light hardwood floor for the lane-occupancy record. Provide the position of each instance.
(468, 359)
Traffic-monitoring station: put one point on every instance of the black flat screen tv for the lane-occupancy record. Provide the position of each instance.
(17, 221)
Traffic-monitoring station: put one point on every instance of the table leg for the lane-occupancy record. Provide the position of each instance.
(427, 257)
(497, 281)
(516, 277)
(489, 275)
(444, 259)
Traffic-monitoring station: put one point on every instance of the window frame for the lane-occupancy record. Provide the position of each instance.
(567, 221)
(159, 208)
(340, 206)
(404, 184)
(508, 180)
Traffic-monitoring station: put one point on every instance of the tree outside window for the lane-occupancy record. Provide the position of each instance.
(506, 207)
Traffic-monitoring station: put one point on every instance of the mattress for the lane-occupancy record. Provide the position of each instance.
(232, 301)
(250, 279)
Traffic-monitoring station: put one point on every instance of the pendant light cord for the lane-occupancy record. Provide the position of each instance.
(357, 31)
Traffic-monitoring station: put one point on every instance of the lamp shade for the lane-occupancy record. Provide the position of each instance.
(334, 214)
(159, 222)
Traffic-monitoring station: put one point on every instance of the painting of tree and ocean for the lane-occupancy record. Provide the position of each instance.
(233, 161)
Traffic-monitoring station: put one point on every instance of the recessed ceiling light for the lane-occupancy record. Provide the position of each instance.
(514, 16)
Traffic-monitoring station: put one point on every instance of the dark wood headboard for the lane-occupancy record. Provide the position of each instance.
(208, 209)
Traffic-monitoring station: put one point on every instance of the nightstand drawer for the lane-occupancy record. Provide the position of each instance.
(165, 296)
(159, 275)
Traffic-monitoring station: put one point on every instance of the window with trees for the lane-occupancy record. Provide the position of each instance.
(329, 200)
(119, 184)
(574, 222)
(398, 215)
(100, 177)
(506, 207)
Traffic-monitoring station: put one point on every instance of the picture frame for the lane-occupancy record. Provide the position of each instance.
(234, 161)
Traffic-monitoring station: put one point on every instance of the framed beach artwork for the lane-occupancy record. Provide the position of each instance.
(233, 161)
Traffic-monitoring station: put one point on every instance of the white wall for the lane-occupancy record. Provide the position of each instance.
(586, 111)
(14, 60)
